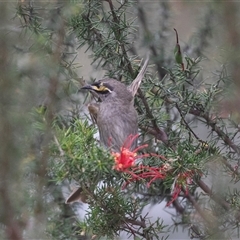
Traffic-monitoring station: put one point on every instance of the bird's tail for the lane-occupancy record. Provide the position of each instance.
(133, 87)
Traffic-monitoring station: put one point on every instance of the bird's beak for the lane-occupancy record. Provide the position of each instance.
(91, 89)
(87, 87)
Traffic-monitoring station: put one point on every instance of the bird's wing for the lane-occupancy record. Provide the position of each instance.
(93, 109)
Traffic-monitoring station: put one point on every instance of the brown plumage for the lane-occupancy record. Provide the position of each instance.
(115, 114)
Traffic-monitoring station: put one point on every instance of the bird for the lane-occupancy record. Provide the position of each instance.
(114, 114)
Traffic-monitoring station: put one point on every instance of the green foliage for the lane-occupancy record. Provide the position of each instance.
(46, 143)
(92, 167)
(167, 102)
(80, 155)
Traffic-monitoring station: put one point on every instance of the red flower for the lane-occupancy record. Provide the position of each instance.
(175, 194)
(126, 158)
(145, 172)
(125, 161)
(181, 184)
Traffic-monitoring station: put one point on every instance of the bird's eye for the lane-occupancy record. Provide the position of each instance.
(98, 84)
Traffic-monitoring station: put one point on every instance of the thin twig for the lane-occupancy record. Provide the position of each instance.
(215, 128)
(198, 208)
(186, 124)
(59, 146)
(143, 21)
(212, 195)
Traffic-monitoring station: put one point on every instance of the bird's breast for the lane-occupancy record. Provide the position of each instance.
(116, 123)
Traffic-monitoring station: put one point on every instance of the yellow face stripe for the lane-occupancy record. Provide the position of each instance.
(101, 88)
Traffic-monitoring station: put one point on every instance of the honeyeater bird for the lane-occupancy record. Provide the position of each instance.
(114, 113)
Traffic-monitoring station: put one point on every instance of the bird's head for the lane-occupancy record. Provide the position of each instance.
(109, 88)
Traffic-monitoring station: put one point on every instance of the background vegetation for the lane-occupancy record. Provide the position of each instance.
(188, 113)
